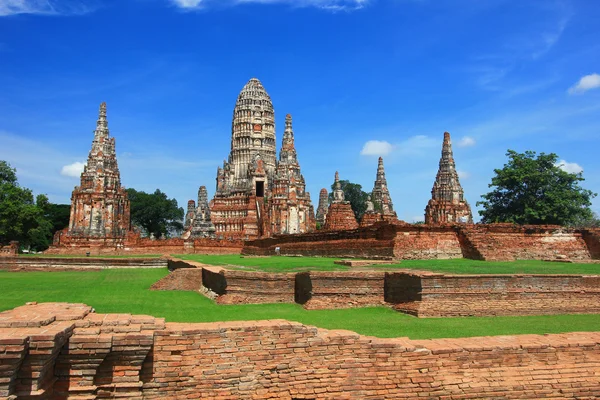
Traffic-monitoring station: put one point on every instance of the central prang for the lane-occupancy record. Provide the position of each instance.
(256, 194)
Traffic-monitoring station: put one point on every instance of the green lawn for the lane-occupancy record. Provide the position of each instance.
(456, 266)
(126, 291)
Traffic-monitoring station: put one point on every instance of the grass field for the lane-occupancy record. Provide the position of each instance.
(126, 291)
(456, 266)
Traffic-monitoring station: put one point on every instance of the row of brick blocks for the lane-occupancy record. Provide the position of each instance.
(424, 294)
(60, 351)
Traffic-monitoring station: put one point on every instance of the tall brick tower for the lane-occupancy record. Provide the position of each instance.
(381, 195)
(322, 208)
(447, 204)
(379, 205)
(290, 205)
(99, 205)
(256, 195)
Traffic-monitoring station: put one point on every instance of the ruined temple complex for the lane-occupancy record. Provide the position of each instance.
(447, 204)
(99, 205)
(258, 195)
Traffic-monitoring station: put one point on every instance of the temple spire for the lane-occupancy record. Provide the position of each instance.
(338, 193)
(381, 198)
(447, 204)
(102, 123)
(288, 150)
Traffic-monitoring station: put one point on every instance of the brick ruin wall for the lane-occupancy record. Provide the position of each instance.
(592, 240)
(324, 290)
(438, 295)
(423, 294)
(403, 241)
(56, 350)
(425, 243)
(507, 242)
(136, 245)
(370, 242)
(10, 250)
(83, 263)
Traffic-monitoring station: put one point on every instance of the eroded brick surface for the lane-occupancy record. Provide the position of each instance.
(125, 356)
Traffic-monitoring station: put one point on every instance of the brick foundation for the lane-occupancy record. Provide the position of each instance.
(59, 350)
(424, 294)
(498, 242)
(11, 250)
(84, 263)
(438, 295)
(134, 244)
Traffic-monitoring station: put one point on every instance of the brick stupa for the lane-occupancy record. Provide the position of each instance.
(340, 216)
(447, 204)
(99, 205)
(322, 209)
(379, 204)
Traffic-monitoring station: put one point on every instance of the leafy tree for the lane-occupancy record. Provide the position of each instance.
(534, 190)
(58, 215)
(355, 195)
(22, 218)
(155, 213)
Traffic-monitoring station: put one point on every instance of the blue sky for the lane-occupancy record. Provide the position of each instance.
(361, 78)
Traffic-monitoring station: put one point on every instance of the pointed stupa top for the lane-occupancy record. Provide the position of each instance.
(447, 202)
(381, 195)
(338, 193)
(102, 123)
(447, 186)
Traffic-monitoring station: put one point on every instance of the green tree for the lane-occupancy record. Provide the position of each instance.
(58, 215)
(355, 195)
(155, 213)
(21, 217)
(534, 190)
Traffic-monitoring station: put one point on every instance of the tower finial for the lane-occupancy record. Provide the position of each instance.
(102, 123)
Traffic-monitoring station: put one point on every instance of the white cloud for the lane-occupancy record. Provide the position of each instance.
(463, 174)
(331, 5)
(419, 145)
(572, 168)
(466, 141)
(586, 83)
(45, 7)
(73, 170)
(187, 3)
(377, 148)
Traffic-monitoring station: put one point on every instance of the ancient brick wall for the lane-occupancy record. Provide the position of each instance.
(56, 351)
(180, 279)
(369, 242)
(438, 295)
(136, 245)
(83, 263)
(344, 289)
(507, 242)
(592, 240)
(10, 250)
(257, 287)
(423, 242)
